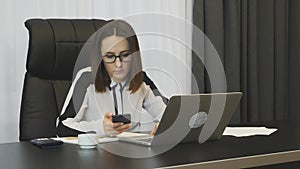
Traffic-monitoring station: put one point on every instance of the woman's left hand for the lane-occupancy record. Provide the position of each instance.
(154, 129)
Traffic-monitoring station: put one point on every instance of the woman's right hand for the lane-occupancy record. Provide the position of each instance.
(113, 129)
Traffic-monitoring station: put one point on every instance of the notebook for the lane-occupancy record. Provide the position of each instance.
(192, 118)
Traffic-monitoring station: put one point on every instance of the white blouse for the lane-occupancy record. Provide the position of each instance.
(95, 105)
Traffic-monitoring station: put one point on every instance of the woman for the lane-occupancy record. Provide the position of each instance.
(118, 87)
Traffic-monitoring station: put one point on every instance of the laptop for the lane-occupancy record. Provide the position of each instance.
(192, 118)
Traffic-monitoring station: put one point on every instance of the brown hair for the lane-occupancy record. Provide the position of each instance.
(135, 76)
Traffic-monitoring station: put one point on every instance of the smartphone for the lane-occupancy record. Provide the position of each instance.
(121, 118)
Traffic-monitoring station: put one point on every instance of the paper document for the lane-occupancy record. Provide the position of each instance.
(248, 131)
(74, 140)
(130, 134)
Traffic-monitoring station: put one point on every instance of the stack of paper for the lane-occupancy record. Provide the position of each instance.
(248, 131)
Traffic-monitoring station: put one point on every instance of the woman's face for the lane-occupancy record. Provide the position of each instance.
(116, 46)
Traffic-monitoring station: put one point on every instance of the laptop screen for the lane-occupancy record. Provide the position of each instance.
(196, 118)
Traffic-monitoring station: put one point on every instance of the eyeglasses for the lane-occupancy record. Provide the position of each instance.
(111, 58)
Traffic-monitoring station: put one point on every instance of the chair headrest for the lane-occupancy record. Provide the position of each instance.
(54, 45)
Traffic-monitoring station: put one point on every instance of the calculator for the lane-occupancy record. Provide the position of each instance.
(46, 142)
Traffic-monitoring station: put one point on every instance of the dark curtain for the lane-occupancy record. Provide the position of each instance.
(258, 42)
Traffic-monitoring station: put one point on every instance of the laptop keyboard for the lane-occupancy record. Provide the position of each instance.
(148, 140)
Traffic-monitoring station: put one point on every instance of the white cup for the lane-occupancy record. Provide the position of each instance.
(87, 141)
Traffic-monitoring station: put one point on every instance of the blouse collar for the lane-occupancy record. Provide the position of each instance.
(114, 84)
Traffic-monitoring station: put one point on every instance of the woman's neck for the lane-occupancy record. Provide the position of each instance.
(119, 81)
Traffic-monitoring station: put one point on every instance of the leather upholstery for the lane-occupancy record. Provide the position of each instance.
(54, 45)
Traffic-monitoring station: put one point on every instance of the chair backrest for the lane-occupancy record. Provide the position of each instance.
(54, 45)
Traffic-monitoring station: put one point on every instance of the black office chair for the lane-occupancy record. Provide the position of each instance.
(54, 45)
